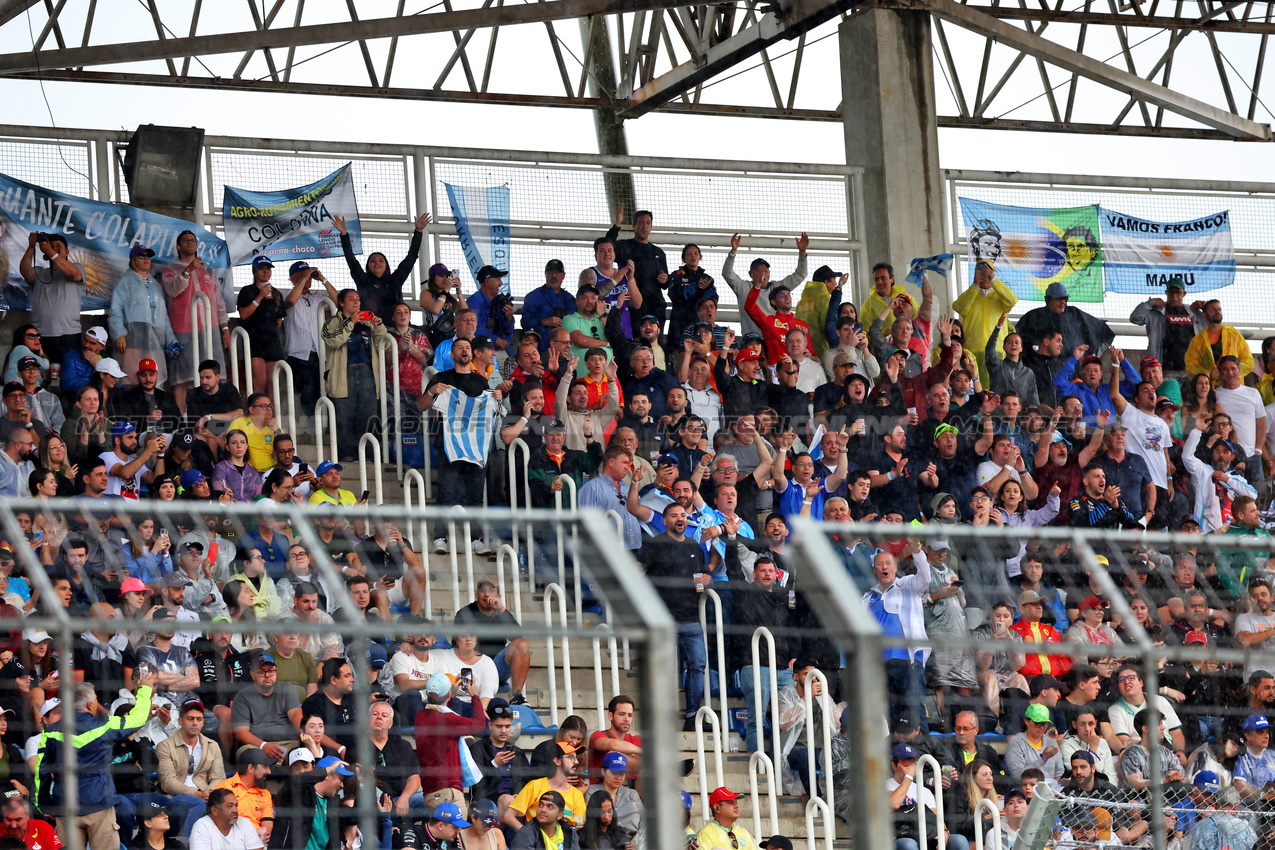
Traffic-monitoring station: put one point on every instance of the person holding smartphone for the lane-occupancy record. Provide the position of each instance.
(353, 345)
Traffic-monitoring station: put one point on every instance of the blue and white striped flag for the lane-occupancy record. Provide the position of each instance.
(482, 223)
(941, 263)
(468, 424)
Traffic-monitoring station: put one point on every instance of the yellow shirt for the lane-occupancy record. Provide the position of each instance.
(260, 443)
(528, 800)
(713, 835)
(343, 497)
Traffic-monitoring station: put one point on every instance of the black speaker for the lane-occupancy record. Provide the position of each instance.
(161, 166)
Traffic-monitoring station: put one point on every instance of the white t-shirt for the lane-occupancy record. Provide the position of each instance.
(242, 836)
(486, 679)
(1149, 436)
(1244, 405)
(116, 485)
(1121, 715)
(406, 662)
(987, 470)
(301, 324)
(927, 797)
(1255, 624)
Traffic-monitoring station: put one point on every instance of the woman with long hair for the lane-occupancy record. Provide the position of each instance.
(39, 657)
(55, 457)
(139, 316)
(105, 377)
(280, 487)
(1012, 507)
(25, 343)
(379, 287)
(1198, 399)
(147, 551)
(84, 432)
(49, 527)
(237, 595)
(414, 353)
(686, 287)
(975, 784)
(600, 831)
(1220, 428)
(252, 572)
(235, 474)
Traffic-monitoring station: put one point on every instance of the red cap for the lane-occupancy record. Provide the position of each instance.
(1092, 358)
(1196, 636)
(1148, 361)
(746, 354)
(721, 795)
(1092, 601)
(147, 365)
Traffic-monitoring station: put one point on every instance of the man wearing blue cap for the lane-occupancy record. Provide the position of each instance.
(438, 831)
(125, 465)
(1255, 768)
(906, 794)
(1218, 827)
(1078, 328)
(630, 814)
(328, 490)
(266, 715)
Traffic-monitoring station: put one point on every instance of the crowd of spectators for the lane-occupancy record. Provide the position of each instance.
(706, 442)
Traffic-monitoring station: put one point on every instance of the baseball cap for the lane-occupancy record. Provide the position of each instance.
(1039, 684)
(745, 356)
(1149, 360)
(300, 754)
(298, 266)
(261, 261)
(1092, 601)
(1092, 358)
(721, 795)
(778, 842)
(1037, 713)
(1030, 597)
(553, 426)
(191, 478)
(110, 366)
(190, 542)
(1084, 755)
(1207, 780)
(903, 752)
(48, 705)
(438, 270)
(1056, 290)
(36, 635)
(588, 287)
(263, 659)
(555, 798)
(1176, 282)
(687, 802)
(824, 273)
(482, 342)
(1162, 402)
(327, 466)
(555, 266)
(333, 761)
(666, 460)
(1017, 792)
(649, 318)
(499, 708)
(567, 749)
(1059, 438)
(97, 333)
(191, 704)
(446, 812)
(119, 429)
(150, 809)
(438, 685)
(1195, 636)
(140, 251)
(615, 762)
(146, 365)
(174, 579)
(14, 387)
(253, 755)
(484, 811)
(1255, 722)
(758, 262)
(486, 272)
(132, 584)
(24, 362)
(184, 440)
(938, 544)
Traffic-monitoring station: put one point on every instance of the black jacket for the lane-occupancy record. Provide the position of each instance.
(294, 812)
(528, 838)
(135, 405)
(947, 754)
(739, 398)
(380, 294)
(755, 607)
(488, 788)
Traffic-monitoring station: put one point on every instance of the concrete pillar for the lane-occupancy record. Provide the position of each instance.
(610, 128)
(891, 130)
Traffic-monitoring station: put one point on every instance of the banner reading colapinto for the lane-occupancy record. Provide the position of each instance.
(293, 224)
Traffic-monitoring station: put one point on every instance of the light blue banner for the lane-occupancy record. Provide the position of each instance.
(482, 223)
(99, 236)
(1141, 256)
(291, 224)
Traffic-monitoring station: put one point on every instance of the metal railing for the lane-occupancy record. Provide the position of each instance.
(825, 802)
(555, 590)
(990, 807)
(706, 712)
(199, 302)
(327, 309)
(502, 553)
(286, 400)
(772, 765)
(370, 440)
(603, 699)
(720, 716)
(465, 538)
(382, 392)
(240, 336)
(325, 409)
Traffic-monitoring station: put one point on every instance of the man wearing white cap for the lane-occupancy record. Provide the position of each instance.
(78, 364)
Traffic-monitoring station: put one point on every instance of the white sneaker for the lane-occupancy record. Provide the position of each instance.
(440, 545)
(480, 548)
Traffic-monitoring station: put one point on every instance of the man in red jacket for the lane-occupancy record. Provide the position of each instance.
(1031, 607)
(775, 328)
(438, 734)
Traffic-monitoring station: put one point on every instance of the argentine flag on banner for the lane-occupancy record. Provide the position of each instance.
(468, 424)
(1032, 248)
(1140, 256)
(482, 223)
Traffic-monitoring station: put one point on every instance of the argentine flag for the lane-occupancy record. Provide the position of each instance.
(1141, 256)
(468, 424)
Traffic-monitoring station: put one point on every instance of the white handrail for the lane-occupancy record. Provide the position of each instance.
(997, 837)
(550, 590)
(324, 404)
(196, 301)
(597, 672)
(758, 634)
(830, 824)
(615, 670)
(707, 594)
(754, 760)
(517, 446)
(240, 333)
(500, 578)
(918, 782)
(467, 540)
(825, 706)
(569, 484)
(391, 343)
(705, 711)
(376, 466)
(326, 310)
(615, 517)
(285, 368)
(414, 475)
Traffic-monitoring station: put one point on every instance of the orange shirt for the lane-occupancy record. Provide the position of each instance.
(255, 804)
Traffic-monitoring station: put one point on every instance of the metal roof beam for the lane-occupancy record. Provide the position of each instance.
(10, 9)
(1100, 72)
(1061, 16)
(340, 33)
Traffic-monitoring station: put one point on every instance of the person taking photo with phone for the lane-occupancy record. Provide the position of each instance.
(352, 339)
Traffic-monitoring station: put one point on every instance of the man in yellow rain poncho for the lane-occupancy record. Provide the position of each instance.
(880, 300)
(980, 308)
(812, 308)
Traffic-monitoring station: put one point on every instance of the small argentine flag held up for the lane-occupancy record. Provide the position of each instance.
(468, 424)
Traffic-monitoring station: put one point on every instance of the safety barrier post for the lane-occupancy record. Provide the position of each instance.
(597, 672)
(501, 553)
(467, 540)
(989, 805)
(237, 335)
(754, 761)
(517, 447)
(615, 517)
(569, 485)
(389, 342)
(774, 761)
(376, 466)
(327, 309)
(707, 594)
(200, 300)
(918, 782)
(282, 367)
(324, 405)
(825, 711)
(551, 590)
(829, 822)
(705, 711)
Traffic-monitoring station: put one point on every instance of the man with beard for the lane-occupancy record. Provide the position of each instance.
(144, 404)
(186, 276)
(1057, 317)
(460, 483)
